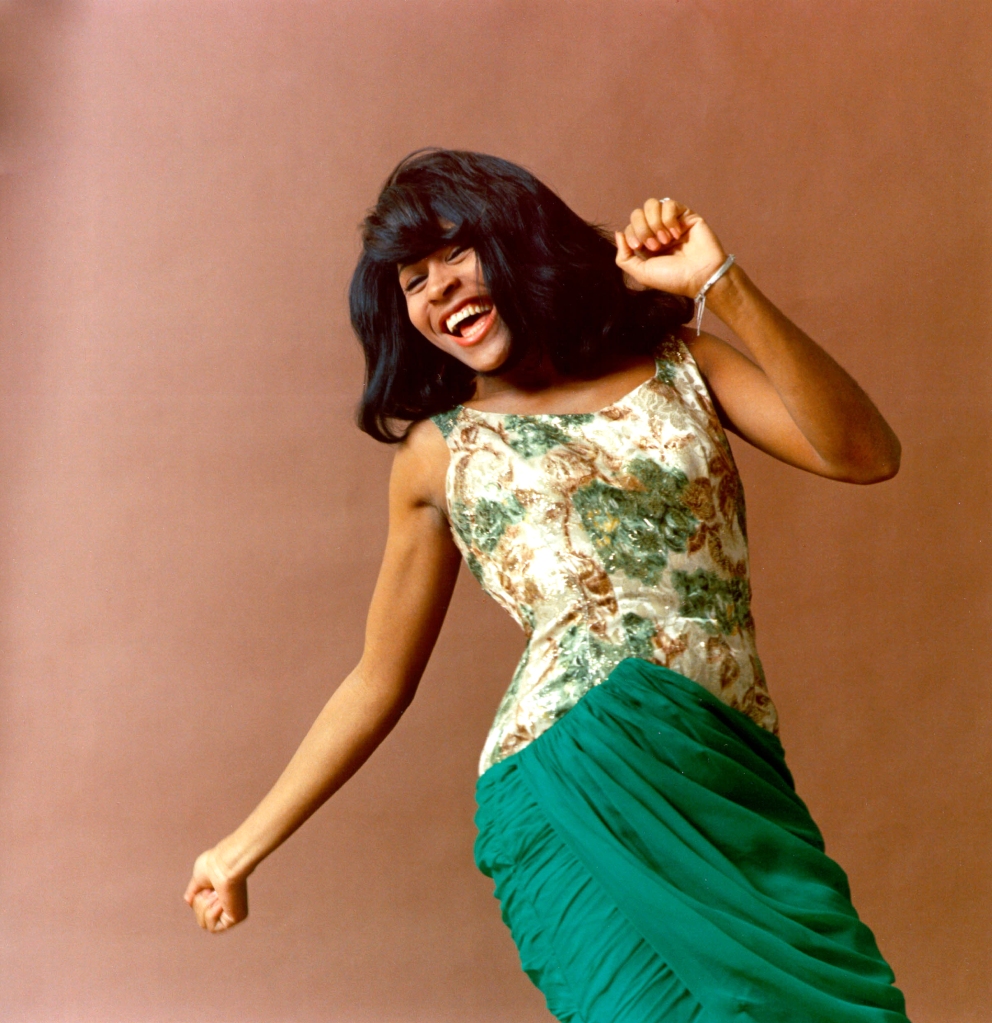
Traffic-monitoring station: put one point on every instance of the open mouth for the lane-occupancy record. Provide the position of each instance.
(468, 323)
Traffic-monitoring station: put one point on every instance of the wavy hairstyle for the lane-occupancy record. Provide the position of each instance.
(552, 277)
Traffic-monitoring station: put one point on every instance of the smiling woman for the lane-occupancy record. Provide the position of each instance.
(564, 435)
(464, 226)
(448, 302)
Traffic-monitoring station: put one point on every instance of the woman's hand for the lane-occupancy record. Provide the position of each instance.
(668, 247)
(218, 900)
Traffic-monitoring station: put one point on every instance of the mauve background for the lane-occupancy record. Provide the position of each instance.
(191, 524)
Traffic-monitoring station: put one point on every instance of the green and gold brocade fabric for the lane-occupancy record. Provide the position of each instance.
(607, 535)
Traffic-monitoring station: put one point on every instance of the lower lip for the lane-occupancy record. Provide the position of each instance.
(478, 331)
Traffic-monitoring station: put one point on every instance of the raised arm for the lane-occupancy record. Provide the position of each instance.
(794, 401)
(416, 580)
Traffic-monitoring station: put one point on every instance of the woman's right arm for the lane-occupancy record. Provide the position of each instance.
(416, 580)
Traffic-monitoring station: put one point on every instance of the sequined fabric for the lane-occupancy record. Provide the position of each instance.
(607, 535)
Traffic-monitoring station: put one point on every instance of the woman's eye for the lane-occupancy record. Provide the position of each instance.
(456, 253)
(413, 283)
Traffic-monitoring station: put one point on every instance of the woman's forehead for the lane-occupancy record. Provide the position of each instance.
(446, 241)
(438, 253)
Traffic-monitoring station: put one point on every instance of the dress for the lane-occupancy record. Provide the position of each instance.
(650, 854)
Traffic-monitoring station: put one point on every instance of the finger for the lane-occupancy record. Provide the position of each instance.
(209, 914)
(652, 214)
(201, 907)
(213, 915)
(624, 252)
(687, 217)
(647, 237)
(632, 240)
(671, 214)
(192, 888)
(626, 256)
(628, 261)
(654, 219)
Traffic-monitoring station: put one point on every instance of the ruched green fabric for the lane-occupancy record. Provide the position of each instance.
(655, 865)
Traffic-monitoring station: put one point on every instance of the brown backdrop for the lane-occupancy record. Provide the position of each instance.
(191, 524)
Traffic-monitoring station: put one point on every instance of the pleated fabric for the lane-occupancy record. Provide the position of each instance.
(655, 865)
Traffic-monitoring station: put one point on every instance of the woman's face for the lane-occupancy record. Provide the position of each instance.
(448, 303)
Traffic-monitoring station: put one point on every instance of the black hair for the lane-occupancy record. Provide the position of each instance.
(552, 277)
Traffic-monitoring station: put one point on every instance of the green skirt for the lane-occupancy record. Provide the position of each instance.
(655, 865)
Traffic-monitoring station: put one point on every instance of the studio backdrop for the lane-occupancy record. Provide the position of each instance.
(191, 524)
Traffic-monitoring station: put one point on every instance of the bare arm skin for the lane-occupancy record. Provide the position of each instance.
(414, 587)
(793, 401)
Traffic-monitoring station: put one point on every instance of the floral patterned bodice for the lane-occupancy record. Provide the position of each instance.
(607, 535)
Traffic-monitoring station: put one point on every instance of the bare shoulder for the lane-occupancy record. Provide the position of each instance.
(420, 467)
(712, 353)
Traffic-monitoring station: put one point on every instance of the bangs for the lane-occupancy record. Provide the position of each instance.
(407, 225)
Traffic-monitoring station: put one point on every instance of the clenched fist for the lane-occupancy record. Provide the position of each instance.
(218, 900)
(668, 247)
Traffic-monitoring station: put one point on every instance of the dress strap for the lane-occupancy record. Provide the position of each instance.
(445, 421)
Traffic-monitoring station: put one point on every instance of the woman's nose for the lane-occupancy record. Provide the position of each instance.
(441, 279)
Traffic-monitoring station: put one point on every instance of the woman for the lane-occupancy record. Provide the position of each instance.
(565, 436)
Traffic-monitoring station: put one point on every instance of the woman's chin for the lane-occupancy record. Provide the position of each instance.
(488, 366)
(486, 357)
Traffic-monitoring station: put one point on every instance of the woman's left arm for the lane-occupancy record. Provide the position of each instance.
(793, 401)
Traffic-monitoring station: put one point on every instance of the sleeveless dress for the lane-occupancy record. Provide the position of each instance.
(651, 856)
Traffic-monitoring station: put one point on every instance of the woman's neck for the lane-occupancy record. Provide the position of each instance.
(540, 387)
(529, 377)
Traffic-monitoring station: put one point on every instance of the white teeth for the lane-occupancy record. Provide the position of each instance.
(466, 310)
